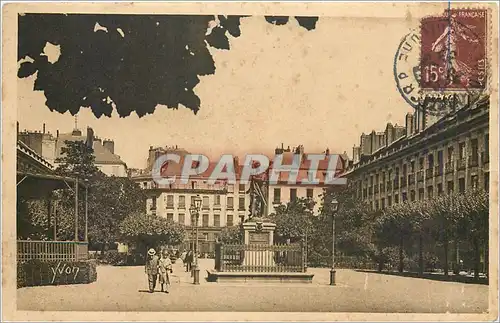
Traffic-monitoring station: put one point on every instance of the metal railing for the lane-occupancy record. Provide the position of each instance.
(411, 179)
(461, 163)
(260, 258)
(438, 170)
(403, 181)
(420, 175)
(51, 250)
(396, 183)
(485, 157)
(449, 167)
(474, 160)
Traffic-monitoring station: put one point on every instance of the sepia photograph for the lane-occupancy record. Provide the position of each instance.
(250, 161)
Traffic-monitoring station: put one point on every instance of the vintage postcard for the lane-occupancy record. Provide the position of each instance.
(254, 161)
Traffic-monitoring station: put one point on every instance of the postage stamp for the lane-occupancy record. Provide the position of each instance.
(453, 50)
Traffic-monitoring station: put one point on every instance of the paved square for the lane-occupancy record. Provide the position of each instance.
(125, 289)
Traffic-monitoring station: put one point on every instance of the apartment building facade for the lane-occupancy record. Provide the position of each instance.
(452, 154)
(283, 192)
(51, 146)
(223, 204)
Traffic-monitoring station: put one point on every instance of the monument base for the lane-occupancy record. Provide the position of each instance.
(249, 277)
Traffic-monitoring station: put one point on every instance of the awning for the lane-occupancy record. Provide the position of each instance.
(32, 185)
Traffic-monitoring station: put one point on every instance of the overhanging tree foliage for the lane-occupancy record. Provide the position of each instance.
(131, 63)
(151, 230)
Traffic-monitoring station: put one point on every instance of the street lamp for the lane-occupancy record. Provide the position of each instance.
(334, 208)
(195, 213)
(86, 210)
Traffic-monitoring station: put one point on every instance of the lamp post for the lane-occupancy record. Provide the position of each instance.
(334, 208)
(86, 210)
(195, 213)
(76, 206)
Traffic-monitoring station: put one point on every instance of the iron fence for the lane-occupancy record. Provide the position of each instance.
(51, 250)
(260, 258)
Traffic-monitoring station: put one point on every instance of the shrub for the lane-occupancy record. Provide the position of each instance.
(113, 257)
(38, 273)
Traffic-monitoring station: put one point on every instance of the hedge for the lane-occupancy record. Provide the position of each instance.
(38, 273)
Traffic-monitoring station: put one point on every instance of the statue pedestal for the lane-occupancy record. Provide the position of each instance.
(258, 234)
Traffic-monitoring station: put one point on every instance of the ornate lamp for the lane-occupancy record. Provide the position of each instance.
(334, 204)
(195, 213)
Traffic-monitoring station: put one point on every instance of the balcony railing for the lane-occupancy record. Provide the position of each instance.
(473, 160)
(438, 170)
(420, 175)
(376, 189)
(429, 172)
(485, 157)
(403, 181)
(411, 179)
(449, 167)
(460, 163)
(396, 183)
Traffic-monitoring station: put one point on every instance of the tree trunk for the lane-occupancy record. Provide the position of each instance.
(477, 258)
(401, 263)
(445, 267)
(420, 254)
(457, 268)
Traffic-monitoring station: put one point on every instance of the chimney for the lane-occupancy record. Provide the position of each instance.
(327, 151)
(109, 145)
(409, 124)
(57, 133)
(43, 128)
(17, 127)
(236, 163)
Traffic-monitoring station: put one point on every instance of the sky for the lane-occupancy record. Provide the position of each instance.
(277, 84)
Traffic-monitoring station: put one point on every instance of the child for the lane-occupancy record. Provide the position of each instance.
(165, 265)
(151, 269)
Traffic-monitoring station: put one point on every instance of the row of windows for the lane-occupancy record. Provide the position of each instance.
(204, 219)
(293, 194)
(430, 192)
(169, 200)
(434, 166)
(195, 185)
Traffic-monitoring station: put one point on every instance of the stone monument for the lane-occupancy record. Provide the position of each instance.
(258, 231)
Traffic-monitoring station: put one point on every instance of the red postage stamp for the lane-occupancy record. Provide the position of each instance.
(453, 50)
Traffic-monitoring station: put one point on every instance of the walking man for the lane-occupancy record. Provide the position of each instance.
(189, 260)
(151, 269)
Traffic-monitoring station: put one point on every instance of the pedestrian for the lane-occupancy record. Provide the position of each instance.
(151, 269)
(164, 266)
(189, 260)
(183, 257)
